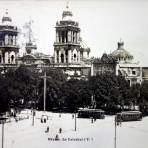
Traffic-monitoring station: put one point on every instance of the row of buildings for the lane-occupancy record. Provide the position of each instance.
(70, 53)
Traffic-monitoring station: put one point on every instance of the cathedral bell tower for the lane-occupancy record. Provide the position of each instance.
(67, 45)
(8, 41)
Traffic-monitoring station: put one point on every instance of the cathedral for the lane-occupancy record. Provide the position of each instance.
(9, 48)
(120, 62)
(70, 53)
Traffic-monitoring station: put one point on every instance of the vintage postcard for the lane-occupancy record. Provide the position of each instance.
(73, 73)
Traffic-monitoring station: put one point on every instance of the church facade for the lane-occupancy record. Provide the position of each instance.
(9, 48)
(120, 62)
(71, 55)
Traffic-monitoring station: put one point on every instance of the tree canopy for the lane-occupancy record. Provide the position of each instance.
(23, 88)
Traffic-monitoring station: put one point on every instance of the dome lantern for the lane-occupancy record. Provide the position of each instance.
(6, 20)
(121, 54)
(67, 14)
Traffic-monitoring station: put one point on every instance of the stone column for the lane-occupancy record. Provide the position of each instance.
(64, 56)
(78, 37)
(71, 36)
(57, 36)
(6, 39)
(64, 36)
(55, 56)
(13, 40)
(6, 58)
(75, 37)
(78, 56)
(92, 69)
(9, 40)
(69, 56)
(59, 56)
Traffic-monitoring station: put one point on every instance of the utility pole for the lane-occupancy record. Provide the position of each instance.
(2, 134)
(2, 121)
(45, 78)
(75, 121)
(33, 114)
(115, 131)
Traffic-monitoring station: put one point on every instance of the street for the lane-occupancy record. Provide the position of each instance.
(99, 134)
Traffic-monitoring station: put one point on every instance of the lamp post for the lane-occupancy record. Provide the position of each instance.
(2, 121)
(115, 132)
(75, 121)
(45, 78)
(33, 114)
(118, 121)
(75, 118)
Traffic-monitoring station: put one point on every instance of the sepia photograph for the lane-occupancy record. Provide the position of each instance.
(73, 73)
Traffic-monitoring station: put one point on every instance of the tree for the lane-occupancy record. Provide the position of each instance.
(55, 78)
(3, 94)
(109, 90)
(75, 94)
(22, 86)
(143, 99)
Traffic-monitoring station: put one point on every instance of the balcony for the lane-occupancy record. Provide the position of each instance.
(9, 29)
(2, 45)
(66, 44)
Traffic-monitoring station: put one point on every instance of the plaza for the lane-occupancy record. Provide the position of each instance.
(99, 134)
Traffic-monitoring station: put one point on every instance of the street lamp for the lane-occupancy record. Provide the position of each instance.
(115, 131)
(117, 122)
(2, 121)
(45, 79)
(75, 118)
(75, 121)
(33, 114)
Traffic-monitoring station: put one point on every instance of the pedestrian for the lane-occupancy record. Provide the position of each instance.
(44, 120)
(41, 120)
(72, 116)
(60, 130)
(47, 130)
(57, 137)
(92, 120)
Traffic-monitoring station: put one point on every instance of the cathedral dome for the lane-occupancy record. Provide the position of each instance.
(67, 14)
(6, 20)
(121, 53)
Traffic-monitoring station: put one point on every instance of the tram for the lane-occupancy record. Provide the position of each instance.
(91, 113)
(129, 116)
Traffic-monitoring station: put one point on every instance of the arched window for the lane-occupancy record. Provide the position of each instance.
(66, 54)
(0, 59)
(75, 57)
(62, 58)
(9, 60)
(12, 58)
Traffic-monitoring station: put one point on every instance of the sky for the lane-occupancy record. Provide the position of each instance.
(102, 22)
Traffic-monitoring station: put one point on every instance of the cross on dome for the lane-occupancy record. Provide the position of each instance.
(67, 14)
(67, 4)
(6, 12)
(6, 19)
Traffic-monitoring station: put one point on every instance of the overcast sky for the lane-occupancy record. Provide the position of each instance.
(102, 23)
